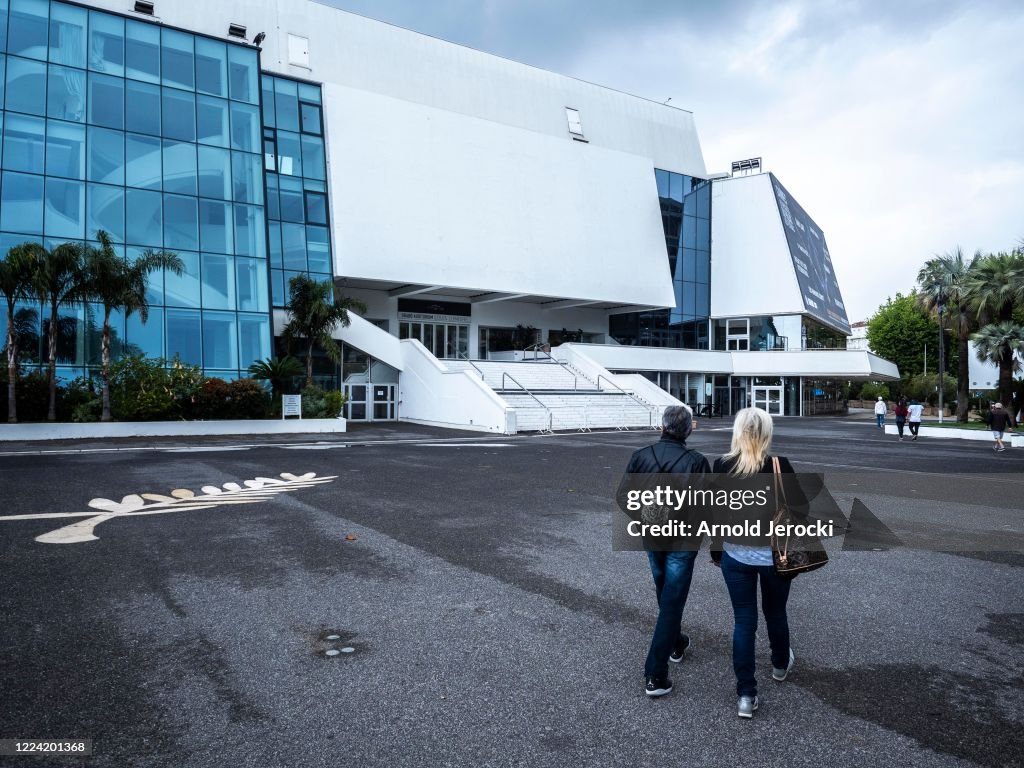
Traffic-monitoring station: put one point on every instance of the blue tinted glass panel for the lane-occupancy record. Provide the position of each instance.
(178, 67)
(675, 187)
(252, 285)
(218, 281)
(214, 173)
(311, 119)
(216, 226)
(28, 28)
(268, 101)
(142, 108)
(244, 74)
(313, 157)
(316, 208)
(318, 246)
(106, 101)
(184, 336)
(142, 52)
(3, 76)
(211, 67)
(21, 204)
(179, 118)
(247, 175)
(106, 156)
(286, 98)
(26, 86)
(24, 143)
(180, 168)
(105, 210)
(143, 163)
(212, 117)
(253, 339)
(144, 211)
(274, 241)
(183, 290)
(703, 267)
(220, 340)
(146, 338)
(65, 96)
(154, 280)
(181, 225)
(245, 128)
(3, 47)
(292, 208)
(65, 209)
(65, 149)
(250, 236)
(67, 35)
(277, 288)
(273, 197)
(289, 154)
(106, 43)
(293, 241)
(309, 92)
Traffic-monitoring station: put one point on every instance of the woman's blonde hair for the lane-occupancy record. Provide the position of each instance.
(751, 439)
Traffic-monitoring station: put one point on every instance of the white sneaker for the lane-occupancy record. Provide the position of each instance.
(746, 706)
(780, 674)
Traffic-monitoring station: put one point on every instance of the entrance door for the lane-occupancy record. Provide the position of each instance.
(384, 402)
(768, 399)
(355, 402)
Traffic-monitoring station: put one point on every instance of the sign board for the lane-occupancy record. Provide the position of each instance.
(291, 405)
(709, 388)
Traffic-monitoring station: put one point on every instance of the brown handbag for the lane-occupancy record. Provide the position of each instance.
(792, 554)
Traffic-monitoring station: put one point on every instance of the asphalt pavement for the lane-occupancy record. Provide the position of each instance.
(178, 615)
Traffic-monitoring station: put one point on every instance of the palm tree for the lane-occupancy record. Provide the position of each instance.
(996, 287)
(997, 343)
(314, 312)
(117, 283)
(58, 282)
(279, 371)
(16, 270)
(943, 283)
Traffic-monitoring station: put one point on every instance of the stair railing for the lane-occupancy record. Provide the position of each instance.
(649, 408)
(507, 375)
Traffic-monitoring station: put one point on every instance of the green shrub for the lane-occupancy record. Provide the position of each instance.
(144, 390)
(320, 404)
(872, 390)
(79, 401)
(249, 399)
(212, 401)
(334, 401)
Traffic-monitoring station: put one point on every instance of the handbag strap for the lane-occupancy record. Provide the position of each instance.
(780, 501)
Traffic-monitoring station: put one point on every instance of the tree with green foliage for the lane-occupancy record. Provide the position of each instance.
(17, 268)
(996, 288)
(999, 343)
(313, 314)
(119, 284)
(899, 331)
(58, 279)
(279, 371)
(943, 283)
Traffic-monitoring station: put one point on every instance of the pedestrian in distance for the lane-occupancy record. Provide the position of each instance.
(672, 571)
(745, 565)
(914, 417)
(1000, 422)
(880, 409)
(900, 411)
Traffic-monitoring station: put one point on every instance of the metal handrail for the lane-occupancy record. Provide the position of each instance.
(575, 378)
(464, 356)
(650, 408)
(535, 346)
(506, 374)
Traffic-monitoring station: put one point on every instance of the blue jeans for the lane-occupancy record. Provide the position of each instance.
(741, 579)
(672, 572)
(880, 419)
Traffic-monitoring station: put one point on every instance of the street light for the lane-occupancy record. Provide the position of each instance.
(942, 355)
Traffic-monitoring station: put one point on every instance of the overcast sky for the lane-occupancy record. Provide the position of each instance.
(898, 126)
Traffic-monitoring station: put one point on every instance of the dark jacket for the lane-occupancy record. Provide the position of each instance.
(1000, 420)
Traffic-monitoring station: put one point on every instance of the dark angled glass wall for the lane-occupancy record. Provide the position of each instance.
(296, 169)
(153, 135)
(686, 219)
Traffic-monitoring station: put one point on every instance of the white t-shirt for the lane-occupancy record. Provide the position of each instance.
(915, 412)
(880, 408)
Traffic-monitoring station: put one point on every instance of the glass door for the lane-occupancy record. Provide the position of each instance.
(355, 402)
(384, 402)
(768, 399)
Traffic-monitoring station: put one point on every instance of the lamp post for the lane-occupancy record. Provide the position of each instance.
(942, 355)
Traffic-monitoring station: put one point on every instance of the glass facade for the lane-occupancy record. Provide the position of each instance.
(295, 164)
(153, 135)
(686, 219)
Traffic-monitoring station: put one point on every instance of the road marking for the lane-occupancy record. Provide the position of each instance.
(465, 445)
(179, 500)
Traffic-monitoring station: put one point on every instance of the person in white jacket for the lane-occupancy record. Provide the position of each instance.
(880, 409)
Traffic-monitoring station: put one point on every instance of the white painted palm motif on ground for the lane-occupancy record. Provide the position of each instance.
(179, 500)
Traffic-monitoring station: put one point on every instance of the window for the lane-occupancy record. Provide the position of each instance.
(273, 196)
(274, 241)
(737, 334)
(106, 156)
(106, 43)
(278, 295)
(143, 162)
(293, 240)
(65, 209)
(181, 225)
(308, 92)
(250, 236)
(313, 166)
(105, 210)
(212, 118)
(142, 51)
(28, 28)
(310, 116)
(67, 35)
(216, 226)
(142, 108)
(21, 205)
(316, 208)
(247, 178)
(147, 338)
(253, 338)
(106, 101)
(220, 340)
(180, 168)
(65, 149)
(292, 208)
(289, 158)
(211, 67)
(252, 285)
(144, 213)
(214, 173)
(267, 84)
(286, 98)
(218, 281)
(243, 74)
(179, 115)
(573, 117)
(183, 290)
(26, 86)
(245, 127)
(318, 244)
(24, 143)
(65, 95)
(177, 59)
(184, 336)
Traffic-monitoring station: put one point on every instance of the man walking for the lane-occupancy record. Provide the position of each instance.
(671, 570)
(880, 409)
(914, 417)
(1000, 423)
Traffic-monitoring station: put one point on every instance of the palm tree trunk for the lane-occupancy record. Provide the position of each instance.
(12, 367)
(963, 372)
(105, 365)
(309, 365)
(51, 413)
(1006, 381)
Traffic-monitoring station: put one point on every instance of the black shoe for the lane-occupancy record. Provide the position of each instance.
(658, 686)
(681, 645)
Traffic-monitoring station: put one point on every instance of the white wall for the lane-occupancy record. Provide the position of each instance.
(751, 267)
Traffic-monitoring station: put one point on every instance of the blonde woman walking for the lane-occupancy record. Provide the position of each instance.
(744, 566)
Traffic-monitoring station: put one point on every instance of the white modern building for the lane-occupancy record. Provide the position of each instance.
(483, 210)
